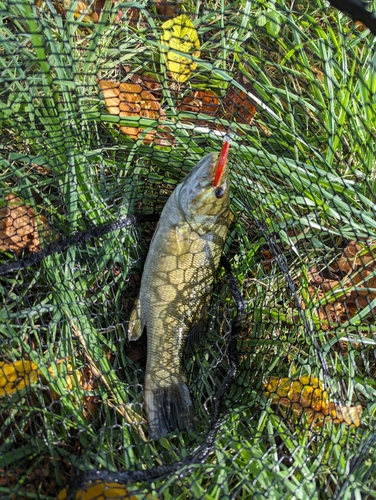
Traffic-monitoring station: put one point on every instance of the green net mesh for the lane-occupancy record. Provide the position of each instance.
(104, 108)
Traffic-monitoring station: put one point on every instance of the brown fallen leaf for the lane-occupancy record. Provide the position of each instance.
(355, 256)
(145, 79)
(201, 101)
(82, 378)
(130, 99)
(359, 262)
(81, 8)
(269, 259)
(167, 9)
(93, 13)
(19, 226)
(360, 26)
(131, 14)
(238, 106)
(318, 73)
(235, 105)
(307, 395)
(353, 292)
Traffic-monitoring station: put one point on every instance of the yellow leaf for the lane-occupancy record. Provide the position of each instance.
(100, 490)
(179, 34)
(16, 375)
(307, 394)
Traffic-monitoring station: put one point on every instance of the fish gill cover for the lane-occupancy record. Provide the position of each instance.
(105, 109)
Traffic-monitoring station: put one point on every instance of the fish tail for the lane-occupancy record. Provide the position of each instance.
(168, 409)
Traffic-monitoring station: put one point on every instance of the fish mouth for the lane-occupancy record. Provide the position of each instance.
(220, 166)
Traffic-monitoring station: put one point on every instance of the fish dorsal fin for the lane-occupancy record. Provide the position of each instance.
(135, 327)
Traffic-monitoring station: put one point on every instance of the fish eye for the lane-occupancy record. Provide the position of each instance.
(219, 192)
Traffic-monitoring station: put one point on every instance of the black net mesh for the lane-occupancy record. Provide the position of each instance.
(105, 107)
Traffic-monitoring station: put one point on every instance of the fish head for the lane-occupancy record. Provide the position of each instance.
(204, 196)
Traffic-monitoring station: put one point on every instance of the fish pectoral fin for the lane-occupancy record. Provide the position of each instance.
(182, 238)
(135, 327)
(199, 327)
(195, 336)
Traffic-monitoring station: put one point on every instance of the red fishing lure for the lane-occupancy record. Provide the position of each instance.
(221, 162)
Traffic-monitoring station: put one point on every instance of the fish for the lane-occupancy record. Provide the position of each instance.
(176, 286)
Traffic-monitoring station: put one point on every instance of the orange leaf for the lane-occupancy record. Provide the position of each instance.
(130, 99)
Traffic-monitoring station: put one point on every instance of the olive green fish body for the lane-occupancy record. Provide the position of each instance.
(176, 283)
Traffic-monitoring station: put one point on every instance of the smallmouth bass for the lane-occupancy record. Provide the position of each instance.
(176, 285)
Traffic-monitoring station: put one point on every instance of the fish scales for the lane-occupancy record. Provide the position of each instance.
(176, 284)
